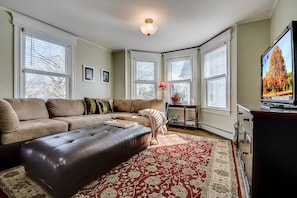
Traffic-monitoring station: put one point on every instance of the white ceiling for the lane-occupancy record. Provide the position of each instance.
(114, 24)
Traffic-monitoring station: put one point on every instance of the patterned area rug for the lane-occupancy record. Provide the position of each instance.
(179, 166)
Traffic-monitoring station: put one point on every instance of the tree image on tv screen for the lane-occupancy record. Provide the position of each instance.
(277, 81)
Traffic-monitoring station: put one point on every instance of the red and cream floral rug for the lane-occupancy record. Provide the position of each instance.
(179, 166)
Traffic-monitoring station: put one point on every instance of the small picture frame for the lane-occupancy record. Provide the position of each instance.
(88, 73)
(105, 76)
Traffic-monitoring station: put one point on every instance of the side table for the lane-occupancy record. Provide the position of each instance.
(185, 122)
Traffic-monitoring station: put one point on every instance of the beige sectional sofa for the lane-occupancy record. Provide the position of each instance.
(25, 119)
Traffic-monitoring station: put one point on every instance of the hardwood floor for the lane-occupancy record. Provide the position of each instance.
(199, 132)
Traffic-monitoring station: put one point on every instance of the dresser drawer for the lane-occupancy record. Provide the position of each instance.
(245, 122)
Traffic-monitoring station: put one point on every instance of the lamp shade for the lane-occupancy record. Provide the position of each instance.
(148, 28)
(162, 85)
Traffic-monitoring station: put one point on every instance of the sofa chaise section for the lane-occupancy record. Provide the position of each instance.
(22, 120)
(26, 119)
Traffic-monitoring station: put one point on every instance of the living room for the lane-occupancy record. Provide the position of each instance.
(249, 41)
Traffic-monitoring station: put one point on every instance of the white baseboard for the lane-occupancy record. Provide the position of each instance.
(217, 131)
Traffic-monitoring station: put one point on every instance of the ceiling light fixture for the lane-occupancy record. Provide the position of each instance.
(148, 28)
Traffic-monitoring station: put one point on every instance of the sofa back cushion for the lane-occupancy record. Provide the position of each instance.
(29, 108)
(122, 105)
(9, 120)
(139, 104)
(65, 107)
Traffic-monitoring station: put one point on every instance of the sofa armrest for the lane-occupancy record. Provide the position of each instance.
(9, 120)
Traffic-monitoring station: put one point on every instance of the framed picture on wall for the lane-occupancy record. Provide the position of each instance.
(105, 76)
(88, 73)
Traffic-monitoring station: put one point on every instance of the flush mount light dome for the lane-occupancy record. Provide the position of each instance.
(148, 28)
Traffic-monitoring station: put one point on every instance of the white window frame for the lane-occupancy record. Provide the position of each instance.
(189, 54)
(149, 57)
(217, 42)
(45, 32)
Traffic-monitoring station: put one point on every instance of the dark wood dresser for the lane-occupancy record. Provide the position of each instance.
(270, 163)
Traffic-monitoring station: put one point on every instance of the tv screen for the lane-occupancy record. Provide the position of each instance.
(278, 70)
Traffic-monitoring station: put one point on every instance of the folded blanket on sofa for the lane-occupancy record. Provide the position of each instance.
(158, 122)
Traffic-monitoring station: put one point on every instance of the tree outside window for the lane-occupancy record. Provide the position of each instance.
(145, 82)
(45, 71)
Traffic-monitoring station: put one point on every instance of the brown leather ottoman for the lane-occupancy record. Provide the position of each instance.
(65, 162)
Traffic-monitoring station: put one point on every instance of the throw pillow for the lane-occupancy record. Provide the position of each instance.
(104, 106)
(92, 107)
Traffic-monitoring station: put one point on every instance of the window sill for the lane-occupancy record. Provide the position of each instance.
(216, 111)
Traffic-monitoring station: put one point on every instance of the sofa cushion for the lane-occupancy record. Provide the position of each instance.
(122, 105)
(9, 120)
(29, 108)
(92, 106)
(31, 129)
(139, 104)
(104, 106)
(65, 107)
(81, 121)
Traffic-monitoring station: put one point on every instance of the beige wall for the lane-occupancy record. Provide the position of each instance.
(99, 58)
(285, 12)
(253, 39)
(86, 53)
(6, 55)
(119, 59)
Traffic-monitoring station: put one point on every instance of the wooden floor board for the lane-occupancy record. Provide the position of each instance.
(199, 132)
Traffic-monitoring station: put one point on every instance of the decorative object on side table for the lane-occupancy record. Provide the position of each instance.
(174, 119)
(176, 98)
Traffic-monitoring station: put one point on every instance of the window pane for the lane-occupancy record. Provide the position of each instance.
(145, 70)
(180, 70)
(44, 56)
(145, 91)
(216, 93)
(42, 86)
(215, 62)
(184, 89)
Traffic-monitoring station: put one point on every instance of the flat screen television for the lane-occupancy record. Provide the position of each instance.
(279, 70)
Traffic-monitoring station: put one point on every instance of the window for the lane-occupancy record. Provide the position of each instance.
(44, 68)
(144, 74)
(43, 62)
(180, 69)
(180, 77)
(215, 73)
